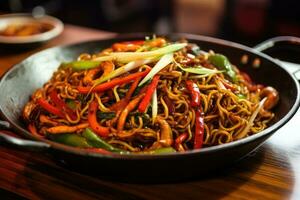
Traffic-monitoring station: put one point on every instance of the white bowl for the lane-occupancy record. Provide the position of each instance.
(8, 19)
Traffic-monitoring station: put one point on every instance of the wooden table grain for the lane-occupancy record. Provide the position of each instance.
(272, 172)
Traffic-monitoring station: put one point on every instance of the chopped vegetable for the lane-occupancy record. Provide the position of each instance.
(198, 70)
(50, 108)
(70, 139)
(162, 150)
(195, 93)
(222, 62)
(131, 106)
(126, 57)
(154, 106)
(62, 105)
(105, 115)
(150, 90)
(199, 115)
(122, 70)
(199, 128)
(179, 140)
(96, 141)
(71, 104)
(82, 64)
(92, 119)
(166, 135)
(244, 132)
(109, 85)
(163, 62)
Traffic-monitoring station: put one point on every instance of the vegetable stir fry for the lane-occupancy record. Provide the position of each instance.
(149, 96)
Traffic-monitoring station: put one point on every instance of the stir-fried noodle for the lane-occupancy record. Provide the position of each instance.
(175, 98)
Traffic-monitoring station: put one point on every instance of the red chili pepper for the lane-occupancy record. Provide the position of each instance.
(50, 108)
(150, 90)
(199, 128)
(120, 105)
(194, 91)
(179, 140)
(62, 105)
(92, 119)
(113, 83)
(199, 116)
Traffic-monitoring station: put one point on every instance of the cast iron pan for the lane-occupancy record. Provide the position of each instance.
(24, 78)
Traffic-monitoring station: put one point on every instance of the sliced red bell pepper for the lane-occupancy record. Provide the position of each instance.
(179, 140)
(120, 105)
(50, 108)
(194, 92)
(92, 119)
(199, 128)
(109, 85)
(62, 105)
(150, 90)
(199, 116)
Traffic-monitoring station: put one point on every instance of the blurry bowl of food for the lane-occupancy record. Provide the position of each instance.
(27, 31)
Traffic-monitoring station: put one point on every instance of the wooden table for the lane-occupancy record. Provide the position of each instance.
(273, 172)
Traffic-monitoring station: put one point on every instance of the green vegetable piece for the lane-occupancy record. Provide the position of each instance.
(71, 140)
(97, 142)
(196, 50)
(71, 104)
(222, 62)
(82, 65)
(163, 150)
(241, 96)
(105, 115)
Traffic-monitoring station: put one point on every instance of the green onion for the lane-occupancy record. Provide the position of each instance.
(222, 62)
(154, 106)
(126, 57)
(105, 115)
(121, 70)
(244, 132)
(97, 142)
(198, 70)
(84, 64)
(163, 150)
(163, 62)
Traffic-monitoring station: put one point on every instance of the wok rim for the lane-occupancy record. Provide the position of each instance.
(73, 150)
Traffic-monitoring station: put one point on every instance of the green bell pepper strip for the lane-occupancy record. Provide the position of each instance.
(82, 64)
(96, 141)
(222, 62)
(71, 140)
(105, 115)
(163, 150)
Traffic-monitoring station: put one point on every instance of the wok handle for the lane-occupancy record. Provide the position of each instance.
(13, 142)
(285, 48)
(23, 144)
(277, 43)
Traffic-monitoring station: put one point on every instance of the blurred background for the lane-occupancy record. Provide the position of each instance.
(245, 21)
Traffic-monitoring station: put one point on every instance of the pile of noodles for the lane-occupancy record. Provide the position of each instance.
(227, 115)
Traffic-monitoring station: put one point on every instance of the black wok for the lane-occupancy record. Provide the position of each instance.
(22, 79)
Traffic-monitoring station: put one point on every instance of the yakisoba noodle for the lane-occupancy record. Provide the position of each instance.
(162, 97)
